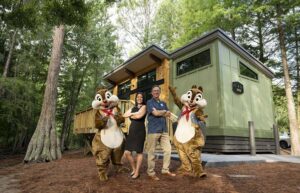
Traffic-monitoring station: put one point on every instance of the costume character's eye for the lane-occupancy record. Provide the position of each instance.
(189, 94)
(98, 97)
(198, 97)
(108, 95)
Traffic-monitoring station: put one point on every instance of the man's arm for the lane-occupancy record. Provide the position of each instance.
(158, 113)
(152, 110)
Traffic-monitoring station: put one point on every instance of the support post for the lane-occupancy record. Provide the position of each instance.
(252, 138)
(276, 139)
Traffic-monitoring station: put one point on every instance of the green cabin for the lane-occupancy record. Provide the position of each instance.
(237, 87)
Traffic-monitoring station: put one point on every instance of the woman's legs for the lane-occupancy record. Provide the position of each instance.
(139, 160)
(129, 157)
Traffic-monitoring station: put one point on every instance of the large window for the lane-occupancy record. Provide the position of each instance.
(146, 79)
(145, 83)
(245, 71)
(194, 62)
(124, 90)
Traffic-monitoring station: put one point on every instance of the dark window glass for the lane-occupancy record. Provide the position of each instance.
(145, 83)
(124, 91)
(194, 62)
(146, 79)
(245, 71)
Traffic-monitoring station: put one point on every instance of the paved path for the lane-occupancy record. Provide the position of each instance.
(9, 184)
(213, 160)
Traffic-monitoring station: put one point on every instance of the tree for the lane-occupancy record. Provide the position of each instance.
(17, 14)
(44, 144)
(135, 18)
(281, 9)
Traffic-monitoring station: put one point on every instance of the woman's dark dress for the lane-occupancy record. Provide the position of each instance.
(137, 133)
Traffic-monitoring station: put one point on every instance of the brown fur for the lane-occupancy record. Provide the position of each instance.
(190, 152)
(100, 120)
(118, 116)
(102, 153)
(175, 97)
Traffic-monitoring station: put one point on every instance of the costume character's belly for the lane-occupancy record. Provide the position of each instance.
(111, 135)
(185, 131)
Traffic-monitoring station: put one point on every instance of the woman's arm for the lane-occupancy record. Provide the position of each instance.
(127, 113)
(140, 113)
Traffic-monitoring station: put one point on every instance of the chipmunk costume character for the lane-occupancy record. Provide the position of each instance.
(109, 140)
(188, 137)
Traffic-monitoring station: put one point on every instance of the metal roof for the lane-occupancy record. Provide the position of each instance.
(221, 35)
(152, 54)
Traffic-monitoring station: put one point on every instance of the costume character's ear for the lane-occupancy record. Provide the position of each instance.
(200, 88)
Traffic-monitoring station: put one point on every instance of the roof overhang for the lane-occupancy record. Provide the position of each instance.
(151, 56)
(154, 55)
(221, 35)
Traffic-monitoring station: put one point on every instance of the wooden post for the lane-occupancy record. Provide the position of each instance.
(252, 138)
(276, 139)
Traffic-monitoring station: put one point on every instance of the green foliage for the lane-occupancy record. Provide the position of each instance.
(19, 110)
(281, 114)
(69, 12)
(19, 14)
(89, 51)
(90, 48)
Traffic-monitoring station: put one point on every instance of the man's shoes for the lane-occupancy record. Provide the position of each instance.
(154, 177)
(169, 174)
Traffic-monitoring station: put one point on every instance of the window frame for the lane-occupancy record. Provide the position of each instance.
(190, 55)
(126, 93)
(146, 73)
(250, 68)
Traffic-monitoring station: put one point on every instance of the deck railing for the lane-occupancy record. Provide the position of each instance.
(84, 120)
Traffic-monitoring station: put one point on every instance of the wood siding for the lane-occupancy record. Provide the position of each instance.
(231, 144)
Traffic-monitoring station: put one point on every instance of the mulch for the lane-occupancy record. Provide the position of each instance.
(77, 173)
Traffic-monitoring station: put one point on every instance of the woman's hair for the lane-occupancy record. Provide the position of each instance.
(143, 102)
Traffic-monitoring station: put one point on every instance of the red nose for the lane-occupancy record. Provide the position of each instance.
(104, 101)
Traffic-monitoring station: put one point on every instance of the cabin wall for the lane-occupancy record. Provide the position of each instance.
(255, 104)
(205, 77)
(162, 72)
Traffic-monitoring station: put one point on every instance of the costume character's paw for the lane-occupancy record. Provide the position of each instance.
(122, 169)
(103, 177)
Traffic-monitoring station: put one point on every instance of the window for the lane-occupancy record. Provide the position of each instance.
(146, 79)
(145, 83)
(245, 71)
(124, 90)
(194, 62)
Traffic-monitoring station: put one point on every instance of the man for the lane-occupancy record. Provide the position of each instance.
(157, 131)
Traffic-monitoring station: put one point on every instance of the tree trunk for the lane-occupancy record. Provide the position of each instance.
(233, 33)
(260, 38)
(293, 124)
(69, 113)
(298, 71)
(11, 49)
(44, 144)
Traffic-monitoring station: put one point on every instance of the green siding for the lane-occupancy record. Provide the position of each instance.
(228, 113)
(255, 104)
(205, 77)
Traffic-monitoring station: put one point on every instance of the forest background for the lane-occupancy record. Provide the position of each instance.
(77, 41)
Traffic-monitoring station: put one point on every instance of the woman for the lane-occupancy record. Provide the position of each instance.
(137, 132)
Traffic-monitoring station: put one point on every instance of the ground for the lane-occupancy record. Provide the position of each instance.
(77, 173)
